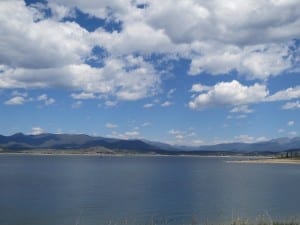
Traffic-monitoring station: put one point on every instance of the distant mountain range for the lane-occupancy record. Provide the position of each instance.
(81, 142)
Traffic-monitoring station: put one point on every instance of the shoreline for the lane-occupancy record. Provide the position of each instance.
(267, 161)
(238, 159)
(129, 155)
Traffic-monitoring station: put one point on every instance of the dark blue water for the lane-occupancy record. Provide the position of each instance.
(91, 190)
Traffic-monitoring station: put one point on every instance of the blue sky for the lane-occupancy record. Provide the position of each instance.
(183, 72)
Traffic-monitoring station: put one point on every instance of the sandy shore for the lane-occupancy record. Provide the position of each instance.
(267, 161)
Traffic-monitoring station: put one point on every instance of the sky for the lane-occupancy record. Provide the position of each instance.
(185, 72)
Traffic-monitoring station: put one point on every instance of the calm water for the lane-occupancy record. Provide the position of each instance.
(91, 190)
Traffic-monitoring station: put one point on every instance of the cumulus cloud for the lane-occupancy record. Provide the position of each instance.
(228, 43)
(18, 93)
(37, 131)
(291, 123)
(129, 78)
(291, 105)
(187, 137)
(238, 95)
(131, 134)
(59, 60)
(76, 104)
(255, 62)
(171, 92)
(199, 88)
(111, 125)
(126, 135)
(166, 104)
(60, 50)
(287, 94)
(110, 103)
(59, 12)
(17, 100)
(175, 132)
(44, 98)
(146, 124)
(136, 37)
(244, 138)
(241, 109)
(83, 95)
(229, 93)
(62, 43)
(148, 105)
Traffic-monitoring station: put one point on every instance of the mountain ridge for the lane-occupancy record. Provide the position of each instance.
(20, 142)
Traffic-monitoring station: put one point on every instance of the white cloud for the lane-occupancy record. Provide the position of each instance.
(238, 95)
(265, 62)
(62, 43)
(17, 100)
(287, 94)
(100, 9)
(200, 88)
(179, 137)
(83, 95)
(132, 134)
(60, 12)
(261, 139)
(187, 137)
(255, 62)
(241, 109)
(135, 37)
(109, 103)
(59, 60)
(126, 135)
(77, 104)
(130, 78)
(18, 93)
(50, 101)
(111, 125)
(226, 45)
(146, 124)
(44, 98)
(244, 138)
(291, 105)
(229, 42)
(60, 50)
(229, 93)
(171, 92)
(291, 123)
(148, 105)
(166, 104)
(175, 132)
(37, 131)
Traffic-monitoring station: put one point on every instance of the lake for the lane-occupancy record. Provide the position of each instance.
(92, 190)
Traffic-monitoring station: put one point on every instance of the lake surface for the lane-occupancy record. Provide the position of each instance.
(92, 190)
